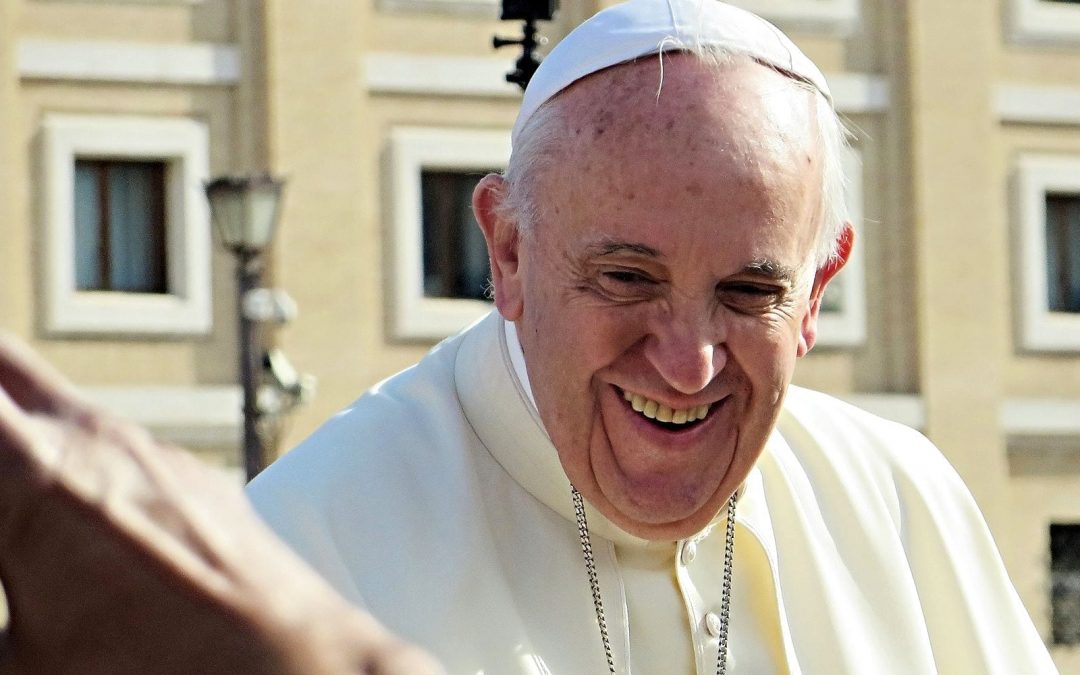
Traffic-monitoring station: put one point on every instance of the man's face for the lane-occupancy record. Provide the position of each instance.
(668, 287)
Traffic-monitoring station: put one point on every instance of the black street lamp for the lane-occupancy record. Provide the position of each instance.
(529, 11)
(245, 213)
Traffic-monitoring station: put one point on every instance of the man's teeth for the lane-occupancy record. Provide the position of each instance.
(655, 411)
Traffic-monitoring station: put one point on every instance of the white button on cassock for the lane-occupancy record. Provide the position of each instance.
(713, 624)
(689, 552)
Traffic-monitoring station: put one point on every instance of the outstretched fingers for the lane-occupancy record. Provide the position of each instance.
(29, 391)
(25, 456)
(31, 382)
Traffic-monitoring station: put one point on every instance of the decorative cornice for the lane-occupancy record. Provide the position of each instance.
(907, 409)
(1027, 104)
(201, 64)
(442, 75)
(192, 416)
(398, 73)
(830, 17)
(1040, 417)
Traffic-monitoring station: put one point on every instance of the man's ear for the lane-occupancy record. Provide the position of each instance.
(503, 244)
(821, 279)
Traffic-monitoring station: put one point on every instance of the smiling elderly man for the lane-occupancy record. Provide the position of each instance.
(612, 473)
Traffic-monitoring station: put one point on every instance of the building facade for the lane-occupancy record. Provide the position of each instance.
(960, 314)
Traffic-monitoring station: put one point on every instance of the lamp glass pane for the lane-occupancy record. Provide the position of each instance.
(261, 215)
(227, 211)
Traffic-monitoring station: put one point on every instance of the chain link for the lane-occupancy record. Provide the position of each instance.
(598, 603)
(594, 582)
(725, 598)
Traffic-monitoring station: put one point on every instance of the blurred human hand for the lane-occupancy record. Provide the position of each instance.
(122, 555)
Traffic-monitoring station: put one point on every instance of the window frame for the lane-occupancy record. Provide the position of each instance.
(414, 316)
(1040, 21)
(183, 145)
(1038, 328)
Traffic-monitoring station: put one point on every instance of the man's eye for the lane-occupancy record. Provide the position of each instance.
(749, 297)
(627, 277)
(752, 290)
(625, 285)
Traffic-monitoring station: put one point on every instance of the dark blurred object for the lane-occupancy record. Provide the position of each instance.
(529, 11)
(120, 555)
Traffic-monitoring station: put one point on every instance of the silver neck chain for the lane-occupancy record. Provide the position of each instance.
(598, 603)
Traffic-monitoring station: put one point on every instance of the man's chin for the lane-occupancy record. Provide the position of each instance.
(662, 519)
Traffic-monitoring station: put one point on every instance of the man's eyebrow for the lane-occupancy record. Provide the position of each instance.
(763, 267)
(612, 246)
(771, 269)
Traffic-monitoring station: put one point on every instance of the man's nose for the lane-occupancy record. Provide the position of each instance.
(687, 354)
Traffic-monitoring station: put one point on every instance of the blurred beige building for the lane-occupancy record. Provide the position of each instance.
(960, 315)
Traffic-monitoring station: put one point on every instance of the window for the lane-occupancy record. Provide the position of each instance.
(438, 259)
(1065, 584)
(120, 226)
(1047, 21)
(455, 254)
(1047, 267)
(1063, 252)
(126, 225)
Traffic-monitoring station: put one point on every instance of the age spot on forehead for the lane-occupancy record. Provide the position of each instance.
(601, 120)
(608, 103)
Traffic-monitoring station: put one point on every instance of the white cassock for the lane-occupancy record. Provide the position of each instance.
(437, 502)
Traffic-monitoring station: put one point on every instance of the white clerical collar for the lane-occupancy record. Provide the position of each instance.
(517, 359)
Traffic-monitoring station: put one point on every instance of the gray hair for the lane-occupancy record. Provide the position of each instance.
(534, 152)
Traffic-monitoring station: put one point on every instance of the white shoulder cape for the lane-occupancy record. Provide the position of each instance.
(437, 502)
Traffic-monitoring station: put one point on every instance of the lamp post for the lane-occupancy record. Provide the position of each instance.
(529, 11)
(245, 211)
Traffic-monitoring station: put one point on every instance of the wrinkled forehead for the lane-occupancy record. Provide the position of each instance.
(664, 136)
(676, 109)
(639, 28)
(680, 91)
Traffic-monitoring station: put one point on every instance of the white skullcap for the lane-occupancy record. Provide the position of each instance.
(641, 27)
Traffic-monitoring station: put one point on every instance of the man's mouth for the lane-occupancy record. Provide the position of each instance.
(666, 417)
